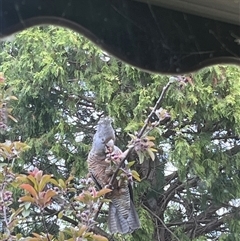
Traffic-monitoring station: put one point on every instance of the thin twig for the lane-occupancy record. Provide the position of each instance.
(75, 223)
(98, 211)
(45, 226)
(65, 218)
(158, 234)
(141, 132)
(160, 220)
(157, 105)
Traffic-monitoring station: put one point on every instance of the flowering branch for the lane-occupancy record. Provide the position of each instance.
(127, 153)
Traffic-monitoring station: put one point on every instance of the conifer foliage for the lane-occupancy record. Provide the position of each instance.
(180, 133)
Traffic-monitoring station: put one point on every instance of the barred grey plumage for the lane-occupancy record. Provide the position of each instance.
(122, 216)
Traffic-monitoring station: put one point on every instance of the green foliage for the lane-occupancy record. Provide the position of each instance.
(64, 84)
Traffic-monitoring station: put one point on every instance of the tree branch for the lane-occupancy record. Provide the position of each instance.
(177, 186)
(95, 229)
(141, 132)
(157, 105)
(161, 221)
(171, 177)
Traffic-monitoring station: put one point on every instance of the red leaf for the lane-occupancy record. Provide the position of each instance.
(29, 189)
(49, 194)
(26, 199)
(103, 192)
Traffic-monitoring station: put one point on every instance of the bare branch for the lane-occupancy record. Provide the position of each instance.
(95, 229)
(141, 132)
(171, 177)
(177, 186)
(157, 105)
(45, 226)
(161, 221)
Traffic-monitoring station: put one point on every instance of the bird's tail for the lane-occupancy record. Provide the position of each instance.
(118, 222)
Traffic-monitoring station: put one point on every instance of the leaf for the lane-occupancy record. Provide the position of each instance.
(27, 205)
(2, 77)
(88, 235)
(20, 146)
(39, 175)
(9, 110)
(12, 118)
(105, 200)
(18, 236)
(82, 230)
(140, 156)
(61, 236)
(33, 239)
(150, 138)
(27, 199)
(6, 148)
(12, 97)
(103, 192)
(150, 144)
(136, 175)
(49, 194)
(33, 172)
(70, 178)
(151, 154)
(25, 213)
(43, 237)
(97, 237)
(15, 213)
(72, 189)
(133, 137)
(53, 181)
(60, 215)
(153, 149)
(130, 164)
(22, 178)
(29, 189)
(33, 181)
(36, 235)
(160, 131)
(85, 197)
(44, 180)
(62, 184)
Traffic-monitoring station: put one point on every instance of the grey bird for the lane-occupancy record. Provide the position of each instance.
(122, 215)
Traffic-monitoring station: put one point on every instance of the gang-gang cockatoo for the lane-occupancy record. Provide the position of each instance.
(122, 215)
